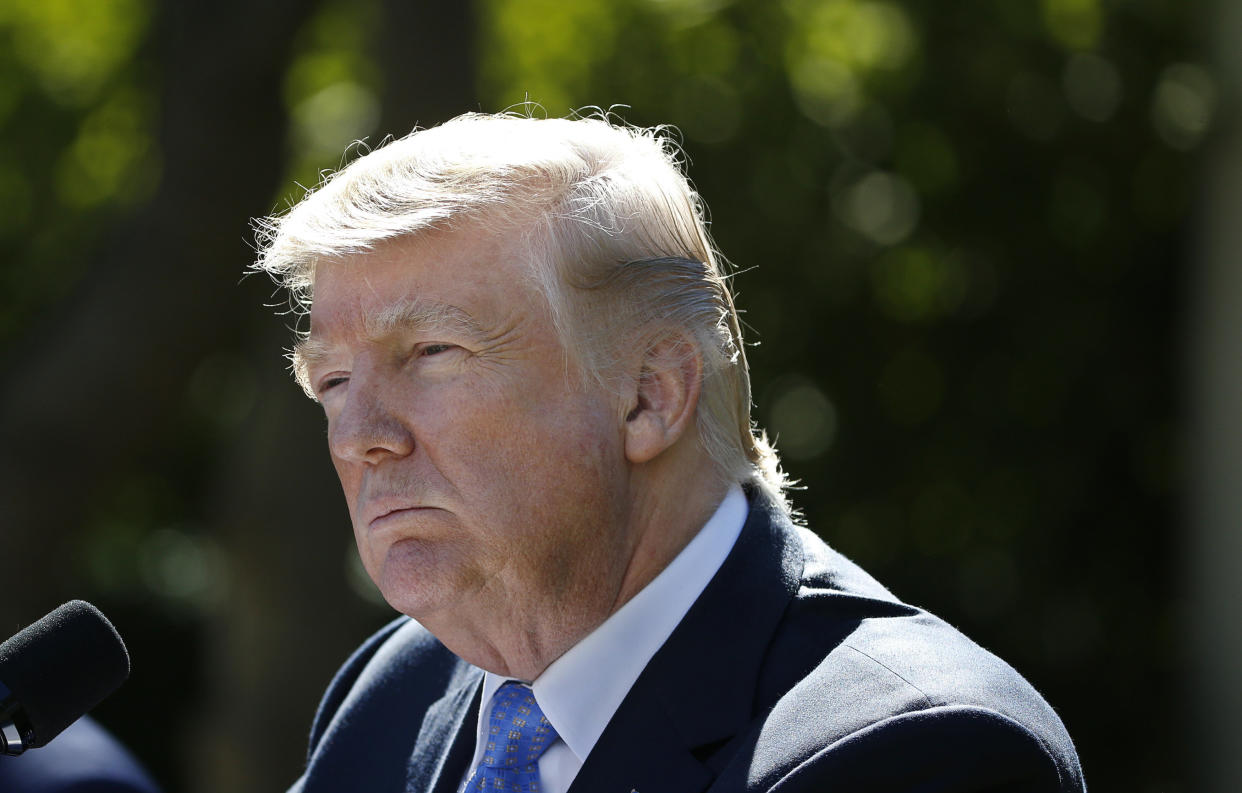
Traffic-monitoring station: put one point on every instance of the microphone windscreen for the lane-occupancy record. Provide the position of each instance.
(62, 666)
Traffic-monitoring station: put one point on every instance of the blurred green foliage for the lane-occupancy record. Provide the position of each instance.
(331, 90)
(76, 114)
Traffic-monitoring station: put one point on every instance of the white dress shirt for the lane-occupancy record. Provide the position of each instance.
(581, 690)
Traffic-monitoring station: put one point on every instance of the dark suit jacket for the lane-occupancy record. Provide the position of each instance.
(794, 672)
(85, 758)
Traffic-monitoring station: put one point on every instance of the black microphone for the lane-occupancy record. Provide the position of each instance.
(54, 671)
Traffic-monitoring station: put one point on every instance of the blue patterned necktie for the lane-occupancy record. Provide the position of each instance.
(517, 735)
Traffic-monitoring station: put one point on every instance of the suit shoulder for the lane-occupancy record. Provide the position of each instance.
(855, 657)
(942, 670)
(949, 748)
(882, 638)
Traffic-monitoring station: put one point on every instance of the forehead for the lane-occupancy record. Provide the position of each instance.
(456, 277)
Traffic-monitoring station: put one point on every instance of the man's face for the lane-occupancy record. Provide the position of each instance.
(484, 480)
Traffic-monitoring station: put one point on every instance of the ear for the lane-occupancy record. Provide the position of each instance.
(665, 399)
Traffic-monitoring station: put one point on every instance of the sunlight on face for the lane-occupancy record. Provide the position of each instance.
(483, 479)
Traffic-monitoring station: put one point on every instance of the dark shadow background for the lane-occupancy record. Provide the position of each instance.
(963, 233)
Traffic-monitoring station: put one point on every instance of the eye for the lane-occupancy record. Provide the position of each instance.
(328, 383)
(434, 349)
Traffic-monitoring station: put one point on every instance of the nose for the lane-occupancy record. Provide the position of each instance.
(367, 428)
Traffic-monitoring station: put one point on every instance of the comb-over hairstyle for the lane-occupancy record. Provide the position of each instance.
(614, 236)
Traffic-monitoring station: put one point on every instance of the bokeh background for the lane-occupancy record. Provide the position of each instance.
(987, 254)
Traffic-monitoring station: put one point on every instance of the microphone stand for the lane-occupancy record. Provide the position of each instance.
(15, 731)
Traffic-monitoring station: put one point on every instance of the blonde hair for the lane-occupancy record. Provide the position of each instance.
(610, 223)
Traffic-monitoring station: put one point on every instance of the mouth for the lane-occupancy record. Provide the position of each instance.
(395, 515)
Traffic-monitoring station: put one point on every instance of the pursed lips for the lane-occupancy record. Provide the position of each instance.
(386, 510)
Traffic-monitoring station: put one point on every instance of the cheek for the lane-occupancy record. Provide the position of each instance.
(351, 482)
(516, 451)
(350, 477)
(529, 437)
(559, 466)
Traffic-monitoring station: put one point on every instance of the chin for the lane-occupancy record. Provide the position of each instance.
(419, 578)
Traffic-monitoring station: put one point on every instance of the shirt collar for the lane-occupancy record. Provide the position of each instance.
(581, 690)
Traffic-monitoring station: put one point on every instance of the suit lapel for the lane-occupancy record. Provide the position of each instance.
(446, 738)
(652, 758)
(698, 691)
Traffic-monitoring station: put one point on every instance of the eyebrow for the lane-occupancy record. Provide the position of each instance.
(411, 314)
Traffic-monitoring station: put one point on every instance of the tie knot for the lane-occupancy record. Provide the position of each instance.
(518, 732)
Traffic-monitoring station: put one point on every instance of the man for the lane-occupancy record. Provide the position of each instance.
(539, 409)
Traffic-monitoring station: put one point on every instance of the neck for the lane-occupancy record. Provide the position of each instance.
(666, 518)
